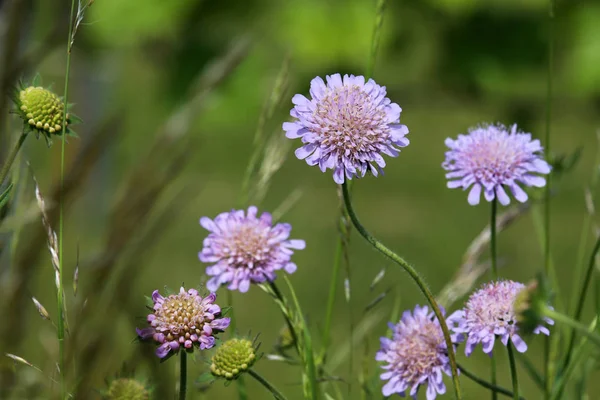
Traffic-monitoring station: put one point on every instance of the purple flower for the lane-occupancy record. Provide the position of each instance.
(183, 320)
(489, 312)
(346, 126)
(246, 249)
(415, 355)
(491, 157)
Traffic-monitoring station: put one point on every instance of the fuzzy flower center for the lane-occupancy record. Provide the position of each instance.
(496, 160)
(493, 306)
(247, 246)
(347, 120)
(179, 315)
(417, 352)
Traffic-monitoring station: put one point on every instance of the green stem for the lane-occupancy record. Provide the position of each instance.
(379, 12)
(513, 370)
(418, 280)
(11, 157)
(483, 383)
(493, 376)
(335, 273)
(287, 314)
(276, 393)
(582, 297)
(493, 213)
(576, 326)
(182, 374)
(549, 356)
(60, 294)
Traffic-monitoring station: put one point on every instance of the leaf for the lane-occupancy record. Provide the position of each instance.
(206, 377)
(5, 196)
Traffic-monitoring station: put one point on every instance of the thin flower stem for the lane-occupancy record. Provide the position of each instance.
(287, 313)
(513, 370)
(582, 297)
(418, 280)
(11, 156)
(335, 273)
(549, 356)
(485, 384)
(60, 294)
(577, 326)
(494, 270)
(276, 393)
(379, 13)
(182, 374)
(493, 239)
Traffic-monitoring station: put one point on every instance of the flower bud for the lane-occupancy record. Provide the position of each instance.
(232, 358)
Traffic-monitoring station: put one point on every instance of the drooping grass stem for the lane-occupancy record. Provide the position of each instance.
(416, 277)
(10, 158)
(484, 383)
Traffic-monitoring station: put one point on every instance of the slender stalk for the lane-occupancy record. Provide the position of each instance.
(582, 297)
(493, 369)
(182, 374)
(418, 280)
(549, 356)
(11, 156)
(484, 383)
(335, 273)
(376, 36)
(287, 313)
(276, 393)
(60, 294)
(576, 326)
(513, 370)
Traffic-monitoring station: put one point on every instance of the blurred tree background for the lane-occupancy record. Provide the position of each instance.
(171, 93)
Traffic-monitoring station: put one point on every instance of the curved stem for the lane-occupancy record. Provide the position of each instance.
(287, 313)
(418, 280)
(513, 370)
(485, 384)
(583, 295)
(493, 369)
(276, 394)
(562, 318)
(182, 374)
(10, 158)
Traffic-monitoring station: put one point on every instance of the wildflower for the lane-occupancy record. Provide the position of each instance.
(127, 389)
(246, 249)
(183, 320)
(490, 312)
(415, 355)
(491, 157)
(43, 111)
(232, 358)
(346, 126)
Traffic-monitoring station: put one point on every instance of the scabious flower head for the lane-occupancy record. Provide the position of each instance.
(415, 355)
(185, 319)
(490, 312)
(232, 358)
(42, 111)
(245, 248)
(491, 157)
(346, 126)
(127, 389)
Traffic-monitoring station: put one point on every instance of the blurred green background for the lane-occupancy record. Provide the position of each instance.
(450, 64)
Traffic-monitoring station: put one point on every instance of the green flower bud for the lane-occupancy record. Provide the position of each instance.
(232, 358)
(41, 109)
(127, 389)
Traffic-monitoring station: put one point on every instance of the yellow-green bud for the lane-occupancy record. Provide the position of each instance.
(42, 109)
(127, 389)
(232, 358)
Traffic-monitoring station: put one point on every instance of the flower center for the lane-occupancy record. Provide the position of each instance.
(180, 315)
(349, 122)
(418, 352)
(498, 160)
(247, 246)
